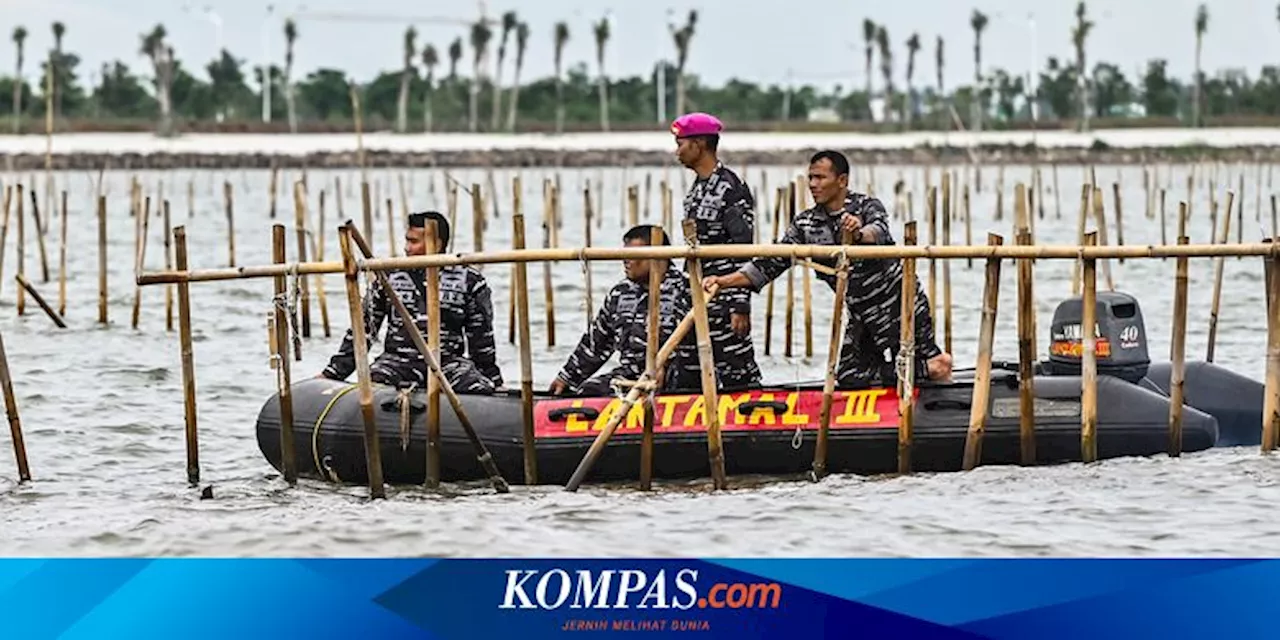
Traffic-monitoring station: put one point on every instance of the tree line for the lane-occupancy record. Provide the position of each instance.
(474, 93)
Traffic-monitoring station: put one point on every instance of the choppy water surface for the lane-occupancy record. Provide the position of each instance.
(102, 406)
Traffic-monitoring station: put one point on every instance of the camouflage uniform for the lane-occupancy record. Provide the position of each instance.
(466, 324)
(622, 325)
(724, 211)
(873, 297)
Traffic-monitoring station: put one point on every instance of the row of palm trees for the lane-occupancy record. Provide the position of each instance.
(876, 40)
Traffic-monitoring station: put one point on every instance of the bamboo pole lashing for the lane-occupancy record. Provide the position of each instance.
(1089, 360)
(982, 375)
(15, 421)
(906, 351)
(1178, 350)
(288, 455)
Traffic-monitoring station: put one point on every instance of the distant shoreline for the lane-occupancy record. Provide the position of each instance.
(141, 151)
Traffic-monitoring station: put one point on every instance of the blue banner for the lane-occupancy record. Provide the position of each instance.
(530, 599)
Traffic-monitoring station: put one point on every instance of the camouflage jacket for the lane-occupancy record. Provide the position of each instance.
(466, 324)
(622, 325)
(817, 225)
(722, 207)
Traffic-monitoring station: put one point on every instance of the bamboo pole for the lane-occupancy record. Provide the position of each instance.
(586, 266)
(188, 363)
(62, 258)
(319, 279)
(15, 422)
(288, 457)
(548, 292)
(102, 260)
(1102, 235)
(633, 206)
(521, 294)
(191, 198)
(982, 377)
(432, 240)
(4, 230)
(1086, 191)
(779, 197)
(907, 350)
(366, 209)
(1026, 336)
(35, 295)
(372, 447)
(931, 207)
(140, 258)
(300, 232)
(1057, 198)
(711, 404)
(791, 278)
(833, 362)
(1178, 348)
(1271, 391)
(806, 290)
(391, 228)
(1239, 213)
(1164, 235)
(433, 365)
(1219, 264)
(22, 252)
(477, 215)
(1089, 360)
(656, 274)
(946, 264)
(796, 252)
(968, 222)
(273, 188)
(1115, 191)
(168, 263)
(228, 198)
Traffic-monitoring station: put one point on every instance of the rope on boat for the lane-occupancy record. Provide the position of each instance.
(323, 469)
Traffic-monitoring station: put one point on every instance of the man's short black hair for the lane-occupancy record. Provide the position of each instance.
(713, 142)
(419, 221)
(837, 159)
(642, 231)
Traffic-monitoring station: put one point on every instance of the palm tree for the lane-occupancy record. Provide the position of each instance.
(939, 60)
(522, 43)
(19, 40)
(913, 47)
(480, 36)
(290, 36)
(154, 47)
(683, 36)
(1078, 37)
(562, 38)
(455, 56)
(429, 60)
(886, 69)
(508, 25)
(869, 38)
(406, 79)
(979, 23)
(602, 40)
(1202, 25)
(59, 30)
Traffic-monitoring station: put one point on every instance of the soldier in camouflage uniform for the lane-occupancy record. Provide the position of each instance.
(724, 211)
(466, 324)
(874, 293)
(622, 325)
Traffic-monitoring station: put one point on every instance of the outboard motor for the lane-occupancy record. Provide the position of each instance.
(1121, 338)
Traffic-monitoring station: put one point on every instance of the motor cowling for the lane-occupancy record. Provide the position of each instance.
(1120, 338)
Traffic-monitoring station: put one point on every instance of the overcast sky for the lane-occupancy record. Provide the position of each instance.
(760, 40)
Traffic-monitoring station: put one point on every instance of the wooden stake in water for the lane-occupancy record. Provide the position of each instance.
(1219, 263)
(982, 377)
(168, 264)
(372, 446)
(140, 258)
(62, 258)
(319, 278)
(710, 399)
(288, 456)
(1178, 348)
(1164, 233)
(521, 294)
(656, 274)
(477, 216)
(588, 214)
(431, 237)
(35, 295)
(907, 349)
(548, 291)
(300, 227)
(227, 196)
(22, 252)
(102, 259)
(4, 230)
(391, 229)
(1115, 191)
(932, 287)
(15, 422)
(1089, 359)
(791, 279)
(833, 362)
(1086, 191)
(1271, 390)
(1026, 335)
(273, 188)
(768, 296)
(1101, 221)
(946, 264)
(188, 360)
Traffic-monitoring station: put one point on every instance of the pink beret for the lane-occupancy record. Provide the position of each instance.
(696, 124)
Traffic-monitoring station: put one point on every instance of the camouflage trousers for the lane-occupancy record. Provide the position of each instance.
(872, 336)
(461, 373)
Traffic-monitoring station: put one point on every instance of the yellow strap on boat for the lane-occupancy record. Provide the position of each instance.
(315, 431)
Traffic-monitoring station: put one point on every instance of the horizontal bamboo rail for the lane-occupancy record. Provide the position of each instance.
(798, 252)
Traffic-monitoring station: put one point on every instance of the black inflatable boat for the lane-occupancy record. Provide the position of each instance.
(773, 430)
